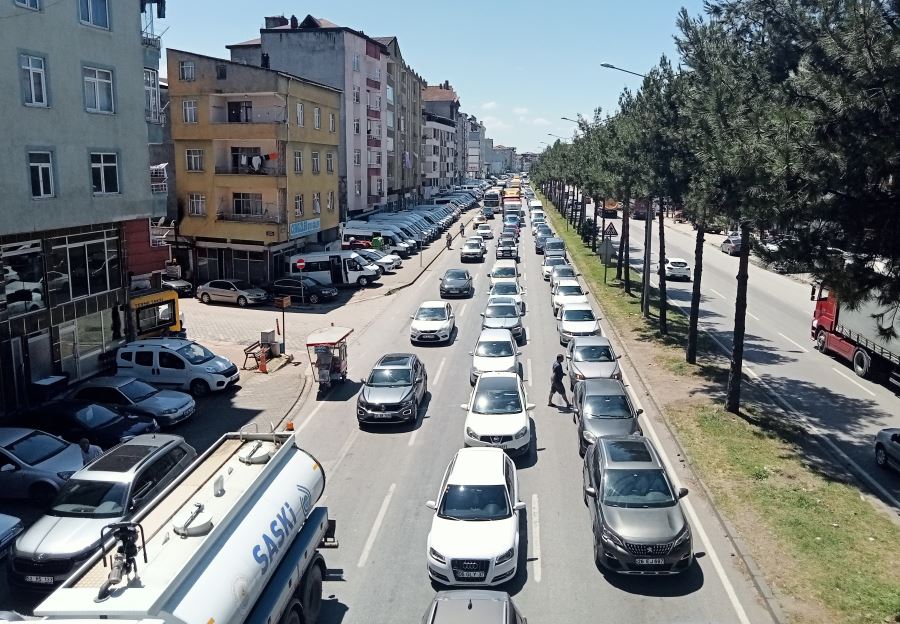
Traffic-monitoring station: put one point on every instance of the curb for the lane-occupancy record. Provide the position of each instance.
(768, 597)
(303, 394)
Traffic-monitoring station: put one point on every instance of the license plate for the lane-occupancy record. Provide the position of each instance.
(381, 415)
(472, 575)
(428, 337)
(43, 580)
(649, 561)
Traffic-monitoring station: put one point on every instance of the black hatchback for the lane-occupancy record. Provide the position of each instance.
(303, 289)
(73, 420)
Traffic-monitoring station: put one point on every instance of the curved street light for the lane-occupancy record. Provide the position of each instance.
(627, 71)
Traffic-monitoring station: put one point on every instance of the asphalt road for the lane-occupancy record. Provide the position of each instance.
(378, 481)
(779, 353)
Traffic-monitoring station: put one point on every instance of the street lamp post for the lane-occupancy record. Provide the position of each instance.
(627, 71)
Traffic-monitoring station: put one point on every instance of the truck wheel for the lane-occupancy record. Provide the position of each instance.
(880, 456)
(363, 281)
(862, 363)
(293, 614)
(311, 595)
(821, 342)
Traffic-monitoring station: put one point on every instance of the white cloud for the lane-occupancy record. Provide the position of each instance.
(520, 111)
(494, 123)
(540, 121)
(489, 105)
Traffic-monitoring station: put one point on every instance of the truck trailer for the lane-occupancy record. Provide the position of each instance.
(858, 334)
(234, 539)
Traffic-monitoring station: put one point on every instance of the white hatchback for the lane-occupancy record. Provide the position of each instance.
(677, 268)
(474, 537)
(565, 292)
(434, 321)
(495, 351)
(498, 414)
(485, 231)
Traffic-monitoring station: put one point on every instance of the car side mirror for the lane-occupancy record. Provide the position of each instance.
(588, 490)
(619, 357)
(431, 504)
(518, 353)
(638, 411)
(682, 492)
(529, 406)
(481, 314)
(8, 468)
(520, 506)
(471, 353)
(412, 318)
(568, 357)
(464, 406)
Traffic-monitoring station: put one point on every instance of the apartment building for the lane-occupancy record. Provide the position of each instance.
(439, 162)
(462, 146)
(74, 91)
(347, 60)
(403, 110)
(256, 157)
(476, 163)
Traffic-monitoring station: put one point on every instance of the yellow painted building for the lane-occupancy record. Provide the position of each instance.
(256, 162)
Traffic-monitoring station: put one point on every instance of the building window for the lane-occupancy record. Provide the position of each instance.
(300, 114)
(379, 184)
(23, 263)
(29, 4)
(185, 70)
(34, 80)
(315, 162)
(189, 111)
(221, 71)
(332, 125)
(330, 201)
(298, 205)
(298, 161)
(390, 94)
(356, 126)
(377, 158)
(246, 203)
(356, 62)
(317, 203)
(357, 187)
(194, 159)
(98, 90)
(356, 94)
(104, 173)
(94, 12)
(317, 118)
(329, 162)
(41, 166)
(357, 157)
(197, 204)
(151, 95)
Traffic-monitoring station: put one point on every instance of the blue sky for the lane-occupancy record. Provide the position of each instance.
(518, 66)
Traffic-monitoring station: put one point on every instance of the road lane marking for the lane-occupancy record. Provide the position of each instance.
(796, 344)
(755, 318)
(462, 310)
(375, 527)
(750, 371)
(529, 372)
(437, 375)
(310, 417)
(340, 459)
(714, 291)
(536, 538)
(853, 381)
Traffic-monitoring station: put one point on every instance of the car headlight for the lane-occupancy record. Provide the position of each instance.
(171, 410)
(505, 556)
(589, 437)
(579, 376)
(408, 403)
(65, 474)
(414, 331)
(683, 536)
(611, 537)
(436, 555)
(471, 433)
(521, 433)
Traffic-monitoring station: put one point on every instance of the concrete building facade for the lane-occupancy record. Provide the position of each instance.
(439, 170)
(75, 127)
(256, 157)
(476, 166)
(347, 60)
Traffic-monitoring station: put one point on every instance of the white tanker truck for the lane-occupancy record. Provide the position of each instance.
(235, 539)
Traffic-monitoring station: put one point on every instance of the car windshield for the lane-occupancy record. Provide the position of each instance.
(569, 290)
(484, 228)
(473, 247)
(138, 391)
(80, 498)
(431, 314)
(95, 416)
(474, 502)
(241, 284)
(506, 288)
(607, 406)
(389, 377)
(504, 272)
(501, 311)
(578, 315)
(457, 275)
(195, 354)
(36, 447)
(564, 272)
(551, 245)
(678, 264)
(552, 262)
(593, 353)
(494, 348)
(497, 401)
(636, 489)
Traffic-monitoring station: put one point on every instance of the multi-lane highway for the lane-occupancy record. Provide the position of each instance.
(379, 480)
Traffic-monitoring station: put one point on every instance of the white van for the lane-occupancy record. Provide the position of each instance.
(176, 364)
(335, 267)
(386, 229)
(390, 242)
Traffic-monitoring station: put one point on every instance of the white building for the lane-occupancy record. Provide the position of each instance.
(439, 160)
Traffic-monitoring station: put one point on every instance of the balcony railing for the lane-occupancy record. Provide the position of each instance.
(150, 41)
(373, 83)
(159, 187)
(273, 170)
(255, 212)
(373, 113)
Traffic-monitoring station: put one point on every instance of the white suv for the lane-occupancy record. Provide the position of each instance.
(474, 537)
(498, 414)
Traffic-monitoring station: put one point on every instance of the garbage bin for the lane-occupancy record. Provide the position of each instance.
(275, 348)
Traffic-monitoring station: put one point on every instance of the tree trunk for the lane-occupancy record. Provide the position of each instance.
(648, 250)
(594, 199)
(626, 230)
(733, 397)
(690, 351)
(663, 300)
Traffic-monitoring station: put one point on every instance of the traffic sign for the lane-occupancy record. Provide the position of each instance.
(300, 264)
(611, 230)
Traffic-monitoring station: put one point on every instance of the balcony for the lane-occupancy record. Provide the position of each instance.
(373, 83)
(150, 41)
(373, 141)
(374, 170)
(373, 113)
(374, 199)
(270, 169)
(255, 212)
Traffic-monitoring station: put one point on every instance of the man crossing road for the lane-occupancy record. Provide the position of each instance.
(556, 382)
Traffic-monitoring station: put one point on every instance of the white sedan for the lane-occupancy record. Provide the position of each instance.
(678, 268)
(566, 292)
(485, 231)
(433, 322)
(474, 537)
(497, 414)
(509, 288)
